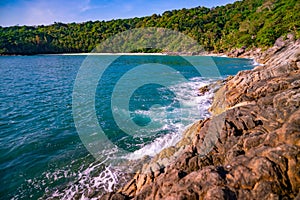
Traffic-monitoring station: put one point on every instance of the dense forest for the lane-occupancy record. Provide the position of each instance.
(244, 23)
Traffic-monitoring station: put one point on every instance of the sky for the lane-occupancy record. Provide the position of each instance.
(37, 12)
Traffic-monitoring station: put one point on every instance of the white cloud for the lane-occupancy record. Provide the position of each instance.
(128, 7)
(85, 5)
(38, 12)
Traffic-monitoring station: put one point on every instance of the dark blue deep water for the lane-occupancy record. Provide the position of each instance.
(41, 152)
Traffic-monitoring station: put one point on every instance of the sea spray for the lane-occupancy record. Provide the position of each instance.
(98, 178)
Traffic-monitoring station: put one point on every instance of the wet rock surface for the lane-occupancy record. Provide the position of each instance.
(248, 149)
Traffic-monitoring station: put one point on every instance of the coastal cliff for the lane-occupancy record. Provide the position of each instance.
(253, 150)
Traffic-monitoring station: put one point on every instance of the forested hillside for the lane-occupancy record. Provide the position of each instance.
(244, 23)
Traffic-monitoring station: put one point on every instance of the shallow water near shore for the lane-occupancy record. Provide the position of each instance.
(42, 155)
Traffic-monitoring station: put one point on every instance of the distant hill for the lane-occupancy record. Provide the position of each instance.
(244, 23)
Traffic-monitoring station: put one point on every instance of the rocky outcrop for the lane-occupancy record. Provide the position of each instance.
(248, 149)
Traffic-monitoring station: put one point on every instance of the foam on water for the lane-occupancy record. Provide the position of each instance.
(86, 181)
(98, 178)
(194, 107)
(156, 146)
(87, 184)
(255, 63)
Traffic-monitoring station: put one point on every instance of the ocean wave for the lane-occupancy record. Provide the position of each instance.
(99, 177)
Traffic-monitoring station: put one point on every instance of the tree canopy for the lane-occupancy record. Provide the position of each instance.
(244, 23)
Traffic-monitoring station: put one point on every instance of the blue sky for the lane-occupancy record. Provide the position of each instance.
(36, 12)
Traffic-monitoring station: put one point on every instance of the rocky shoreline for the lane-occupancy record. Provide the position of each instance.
(248, 149)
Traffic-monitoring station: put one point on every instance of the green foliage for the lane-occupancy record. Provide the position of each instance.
(147, 50)
(244, 23)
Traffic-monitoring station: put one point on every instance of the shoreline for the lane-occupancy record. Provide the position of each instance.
(124, 53)
(251, 124)
(109, 54)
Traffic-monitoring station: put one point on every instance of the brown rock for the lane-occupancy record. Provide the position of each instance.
(279, 43)
(114, 196)
(203, 90)
(249, 149)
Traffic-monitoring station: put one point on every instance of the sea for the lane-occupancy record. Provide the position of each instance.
(68, 121)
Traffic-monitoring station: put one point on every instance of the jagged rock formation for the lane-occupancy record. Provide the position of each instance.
(254, 139)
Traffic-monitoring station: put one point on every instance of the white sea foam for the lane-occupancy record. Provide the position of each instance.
(156, 146)
(255, 63)
(98, 177)
(193, 107)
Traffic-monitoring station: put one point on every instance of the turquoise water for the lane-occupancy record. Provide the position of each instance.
(42, 154)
